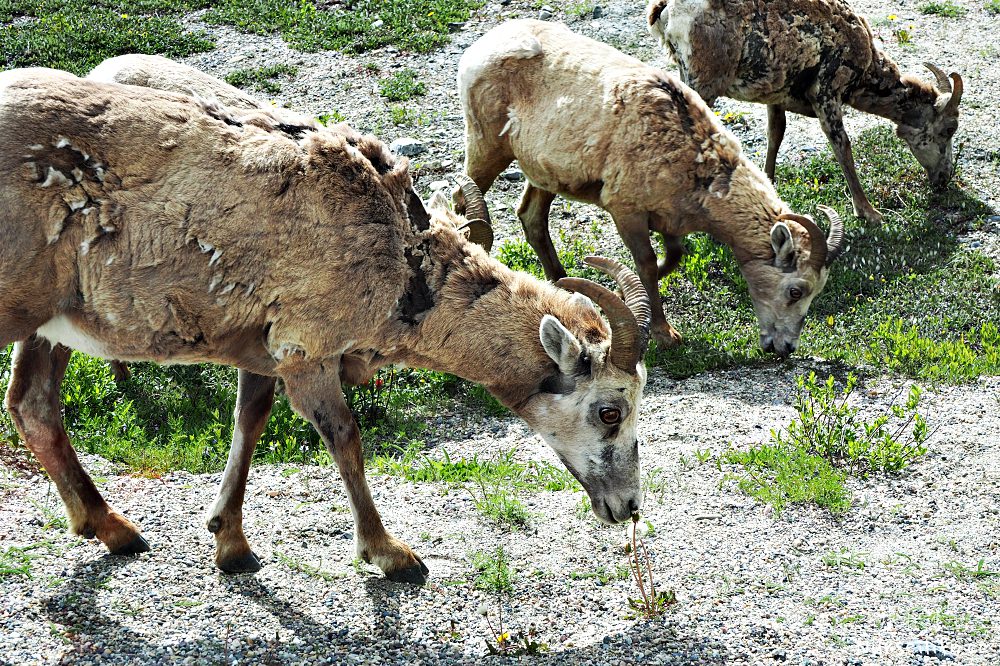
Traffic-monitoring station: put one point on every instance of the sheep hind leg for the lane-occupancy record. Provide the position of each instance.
(316, 395)
(775, 135)
(33, 403)
(254, 398)
(634, 230)
(534, 215)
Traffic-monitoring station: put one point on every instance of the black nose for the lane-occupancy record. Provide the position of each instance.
(633, 505)
(769, 347)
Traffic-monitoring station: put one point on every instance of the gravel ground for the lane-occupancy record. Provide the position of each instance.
(752, 587)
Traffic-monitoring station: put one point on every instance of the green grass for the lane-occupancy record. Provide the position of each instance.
(908, 280)
(947, 8)
(401, 86)
(414, 25)
(809, 460)
(993, 6)
(263, 79)
(75, 36)
(493, 571)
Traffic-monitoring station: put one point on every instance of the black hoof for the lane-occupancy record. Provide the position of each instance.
(415, 575)
(133, 547)
(244, 564)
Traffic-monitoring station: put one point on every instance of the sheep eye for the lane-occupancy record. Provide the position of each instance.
(610, 415)
(795, 293)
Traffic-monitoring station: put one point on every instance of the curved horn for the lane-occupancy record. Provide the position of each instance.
(629, 319)
(817, 239)
(476, 210)
(835, 241)
(943, 82)
(956, 94)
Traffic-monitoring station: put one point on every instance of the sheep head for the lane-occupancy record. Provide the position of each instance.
(929, 134)
(783, 287)
(587, 408)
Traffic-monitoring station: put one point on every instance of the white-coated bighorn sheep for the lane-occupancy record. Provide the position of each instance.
(157, 226)
(587, 122)
(811, 57)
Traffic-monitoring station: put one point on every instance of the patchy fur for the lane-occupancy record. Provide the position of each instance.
(810, 57)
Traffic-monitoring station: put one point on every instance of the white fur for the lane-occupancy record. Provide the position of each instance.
(60, 330)
(682, 15)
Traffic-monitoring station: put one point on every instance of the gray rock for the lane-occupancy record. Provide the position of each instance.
(407, 146)
(928, 649)
(545, 13)
(598, 12)
(513, 175)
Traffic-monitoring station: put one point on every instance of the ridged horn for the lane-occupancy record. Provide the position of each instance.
(835, 240)
(817, 239)
(473, 207)
(943, 82)
(629, 319)
(956, 94)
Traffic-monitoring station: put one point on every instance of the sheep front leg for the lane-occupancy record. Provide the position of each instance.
(831, 119)
(534, 215)
(634, 230)
(33, 402)
(316, 394)
(775, 135)
(254, 398)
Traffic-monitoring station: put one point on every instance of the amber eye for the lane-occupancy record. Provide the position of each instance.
(795, 293)
(610, 415)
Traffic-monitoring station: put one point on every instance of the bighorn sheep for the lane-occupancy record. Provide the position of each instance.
(810, 57)
(157, 226)
(592, 124)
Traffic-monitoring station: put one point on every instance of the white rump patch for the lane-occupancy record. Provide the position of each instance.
(497, 45)
(60, 330)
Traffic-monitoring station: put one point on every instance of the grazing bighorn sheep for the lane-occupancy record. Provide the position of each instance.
(160, 227)
(811, 57)
(592, 124)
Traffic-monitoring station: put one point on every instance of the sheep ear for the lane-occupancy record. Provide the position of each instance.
(438, 202)
(561, 345)
(783, 245)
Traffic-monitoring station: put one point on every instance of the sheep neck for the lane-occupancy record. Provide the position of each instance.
(901, 98)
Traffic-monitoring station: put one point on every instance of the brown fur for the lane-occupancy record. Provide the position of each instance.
(810, 57)
(151, 225)
(590, 123)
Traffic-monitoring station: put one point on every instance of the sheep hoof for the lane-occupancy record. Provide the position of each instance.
(248, 562)
(415, 575)
(133, 547)
(667, 336)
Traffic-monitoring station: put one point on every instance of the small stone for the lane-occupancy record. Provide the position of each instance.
(598, 12)
(513, 175)
(407, 146)
(438, 185)
(455, 26)
(378, 23)
(545, 13)
(928, 649)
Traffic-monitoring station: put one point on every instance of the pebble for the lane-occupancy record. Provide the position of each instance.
(513, 175)
(545, 13)
(407, 147)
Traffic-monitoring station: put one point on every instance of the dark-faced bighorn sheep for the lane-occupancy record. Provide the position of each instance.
(811, 57)
(157, 226)
(587, 122)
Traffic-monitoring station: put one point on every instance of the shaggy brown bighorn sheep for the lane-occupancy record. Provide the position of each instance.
(810, 57)
(160, 227)
(590, 123)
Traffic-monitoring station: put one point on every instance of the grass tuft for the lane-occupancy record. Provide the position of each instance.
(946, 8)
(401, 86)
(262, 79)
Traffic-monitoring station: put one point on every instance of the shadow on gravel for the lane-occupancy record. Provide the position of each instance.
(79, 614)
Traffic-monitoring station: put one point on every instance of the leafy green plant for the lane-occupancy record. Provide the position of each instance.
(493, 571)
(810, 459)
(498, 503)
(401, 86)
(993, 6)
(494, 574)
(262, 79)
(75, 36)
(844, 558)
(945, 8)
(362, 25)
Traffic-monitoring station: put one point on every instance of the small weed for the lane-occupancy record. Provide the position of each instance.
(945, 8)
(261, 79)
(602, 575)
(493, 572)
(650, 603)
(963, 572)
(584, 508)
(844, 559)
(903, 35)
(296, 564)
(993, 6)
(331, 118)
(400, 115)
(733, 119)
(497, 503)
(958, 623)
(401, 86)
(810, 460)
(187, 603)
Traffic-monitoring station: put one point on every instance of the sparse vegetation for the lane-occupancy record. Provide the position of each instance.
(945, 8)
(401, 86)
(263, 79)
(811, 458)
(993, 6)
(650, 603)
